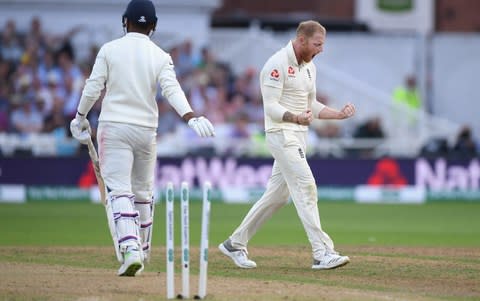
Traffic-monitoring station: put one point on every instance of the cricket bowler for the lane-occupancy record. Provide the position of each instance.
(288, 89)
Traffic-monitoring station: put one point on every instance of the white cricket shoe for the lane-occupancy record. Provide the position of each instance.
(132, 263)
(239, 256)
(330, 261)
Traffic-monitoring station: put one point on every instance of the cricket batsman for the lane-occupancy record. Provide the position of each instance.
(288, 89)
(129, 69)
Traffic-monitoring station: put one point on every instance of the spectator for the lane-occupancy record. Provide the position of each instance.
(44, 105)
(407, 102)
(217, 103)
(29, 59)
(23, 84)
(48, 93)
(241, 134)
(372, 128)
(465, 145)
(435, 147)
(246, 84)
(198, 91)
(240, 127)
(185, 58)
(235, 106)
(72, 97)
(55, 119)
(36, 33)
(26, 119)
(408, 94)
(56, 125)
(68, 68)
(10, 43)
(46, 67)
(206, 60)
(221, 75)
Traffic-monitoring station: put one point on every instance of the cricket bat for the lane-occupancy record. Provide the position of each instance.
(103, 197)
(96, 167)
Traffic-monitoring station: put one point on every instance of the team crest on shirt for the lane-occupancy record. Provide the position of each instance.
(291, 71)
(274, 75)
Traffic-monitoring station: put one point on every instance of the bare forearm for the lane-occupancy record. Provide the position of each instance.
(304, 118)
(290, 117)
(188, 116)
(329, 113)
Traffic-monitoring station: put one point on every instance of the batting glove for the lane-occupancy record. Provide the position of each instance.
(80, 128)
(202, 126)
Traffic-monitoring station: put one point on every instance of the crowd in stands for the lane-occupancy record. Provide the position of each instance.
(41, 80)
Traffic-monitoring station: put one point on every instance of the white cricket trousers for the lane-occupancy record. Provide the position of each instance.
(127, 158)
(291, 176)
(127, 163)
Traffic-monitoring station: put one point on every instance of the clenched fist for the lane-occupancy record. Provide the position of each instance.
(305, 118)
(348, 110)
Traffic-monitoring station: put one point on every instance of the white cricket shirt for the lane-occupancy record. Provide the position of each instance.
(286, 86)
(130, 68)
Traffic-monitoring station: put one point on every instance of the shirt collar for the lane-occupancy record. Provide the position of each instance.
(292, 59)
(137, 35)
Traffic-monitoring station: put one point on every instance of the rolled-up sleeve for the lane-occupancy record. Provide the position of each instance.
(316, 106)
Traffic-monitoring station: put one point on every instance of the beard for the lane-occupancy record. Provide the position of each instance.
(308, 58)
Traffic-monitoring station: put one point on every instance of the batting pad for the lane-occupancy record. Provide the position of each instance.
(126, 221)
(146, 210)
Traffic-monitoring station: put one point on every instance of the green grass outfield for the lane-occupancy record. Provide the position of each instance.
(76, 223)
(63, 251)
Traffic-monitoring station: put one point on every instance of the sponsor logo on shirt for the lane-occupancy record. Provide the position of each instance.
(291, 71)
(274, 75)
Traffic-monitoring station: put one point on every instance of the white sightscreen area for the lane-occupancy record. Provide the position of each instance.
(456, 79)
